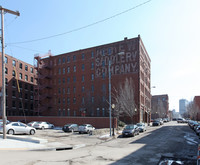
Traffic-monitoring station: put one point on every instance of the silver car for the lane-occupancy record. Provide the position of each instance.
(85, 128)
(142, 127)
(43, 125)
(18, 128)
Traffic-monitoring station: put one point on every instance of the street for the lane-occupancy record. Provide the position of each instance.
(172, 141)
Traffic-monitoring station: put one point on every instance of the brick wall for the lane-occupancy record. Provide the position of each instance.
(97, 122)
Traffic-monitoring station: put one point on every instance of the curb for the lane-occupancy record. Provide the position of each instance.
(26, 139)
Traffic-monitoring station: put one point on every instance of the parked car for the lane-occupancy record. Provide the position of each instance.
(1, 121)
(156, 122)
(43, 125)
(32, 123)
(130, 130)
(18, 128)
(198, 130)
(181, 120)
(70, 128)
(161, 121)
(85, 128)
(165, 120)
(142, 127)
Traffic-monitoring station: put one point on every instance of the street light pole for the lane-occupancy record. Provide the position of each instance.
(3, 90)
(109, 88)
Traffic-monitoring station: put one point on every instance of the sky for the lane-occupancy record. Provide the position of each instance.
(170, 30)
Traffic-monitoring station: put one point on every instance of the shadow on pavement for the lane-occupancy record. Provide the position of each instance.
(176, 143)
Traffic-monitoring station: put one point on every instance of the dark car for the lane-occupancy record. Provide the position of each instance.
(130, 130)
(156, 122)
(70, 128)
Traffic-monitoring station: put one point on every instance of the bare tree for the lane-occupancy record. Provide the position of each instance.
(193, 110)
(125, 102)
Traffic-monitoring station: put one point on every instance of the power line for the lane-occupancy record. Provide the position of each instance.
(83, 27)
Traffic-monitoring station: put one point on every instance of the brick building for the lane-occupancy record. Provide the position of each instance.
(159, 106)
(76, 83)
(18, 102)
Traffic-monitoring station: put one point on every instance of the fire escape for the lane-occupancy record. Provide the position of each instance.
(43, 89)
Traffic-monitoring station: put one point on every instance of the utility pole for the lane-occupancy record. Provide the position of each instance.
(3, 90)
(109, 88)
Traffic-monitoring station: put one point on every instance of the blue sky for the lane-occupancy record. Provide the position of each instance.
(168, 28)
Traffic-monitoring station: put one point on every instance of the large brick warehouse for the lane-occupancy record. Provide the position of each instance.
(76, 83)
(19, 84)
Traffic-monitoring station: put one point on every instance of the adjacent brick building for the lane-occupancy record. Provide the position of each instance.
(19, 82)
(76, 83)
(159, 106)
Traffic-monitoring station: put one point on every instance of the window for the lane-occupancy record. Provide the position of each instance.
(68, 90)
(59, 71)
(83, 78)
(92, 76)
(109, 51)
(83, 100)
(13, 94)
(26, 78)
(74, 100)
(31, 96)
(92, 99)
(102, 52)
(32, 79)
(74, 58)
(74, 89)
(26, 96)
(74, 79)
(20, 85)
(14, 83)
(63, 60)
(26, 68)
(59, 90)
(31, 88)
(6, 59)
(59, 81)
(31, 70)
(98, 112)
(83, 67)
(26, 86)
(6, 70)
(13, 73)
(103, 99)
(74, 68)
(83, 89)
(59, 61)
(63, 100)
(63, 90)
(92, 88)
(63, 70)
(14, 63)
(6, 81)
(103, 111)
(92, 54)
(74, 113)
(68, 58)
(68, 100)
(13, 104)
(63, 80)
(20, 65)
(92, 65)
(103, 75)
(68, 69)
(103, 63)
(83, 56)
(68, 79)
(20, 76)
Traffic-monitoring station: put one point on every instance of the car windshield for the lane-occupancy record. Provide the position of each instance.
(129, 127)
(139, 124)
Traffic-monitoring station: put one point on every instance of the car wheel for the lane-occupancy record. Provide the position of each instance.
(42, 127)
(72, 130)
(79, 132)
(32, 132)
(52, 127)
(133, 134)
(11, 132)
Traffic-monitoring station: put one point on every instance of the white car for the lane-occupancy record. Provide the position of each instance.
(18, 128)
(85, 128)
(43, 125)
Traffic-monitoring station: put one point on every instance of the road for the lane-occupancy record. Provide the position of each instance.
(171, 141)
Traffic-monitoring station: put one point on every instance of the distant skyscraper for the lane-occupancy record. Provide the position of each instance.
(182, 106)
